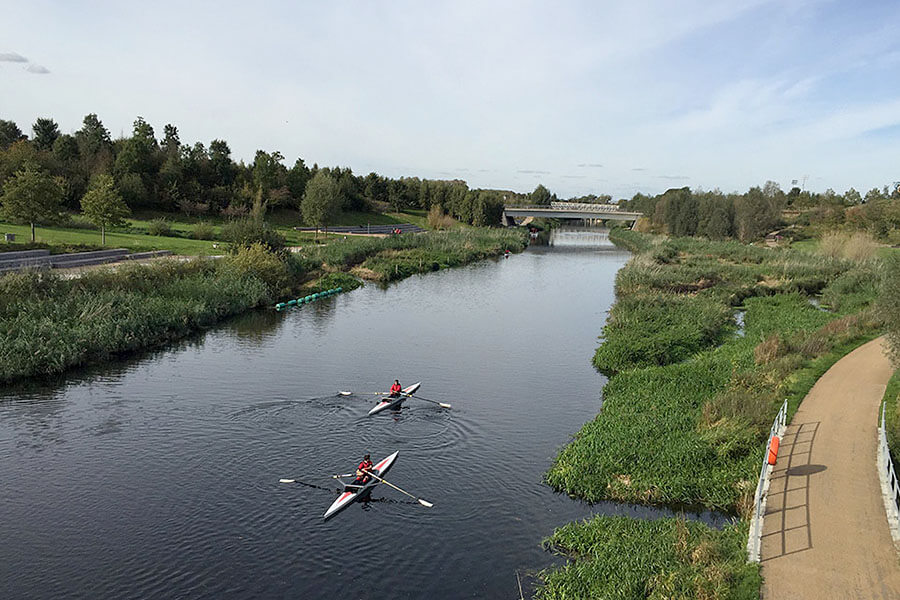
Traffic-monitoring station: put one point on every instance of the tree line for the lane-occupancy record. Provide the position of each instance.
(141, 172)
(760, 210)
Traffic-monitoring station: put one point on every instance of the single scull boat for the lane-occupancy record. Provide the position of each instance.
(395, 402)
(353, 493)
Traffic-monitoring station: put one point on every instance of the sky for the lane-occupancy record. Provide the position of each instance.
(589, 97)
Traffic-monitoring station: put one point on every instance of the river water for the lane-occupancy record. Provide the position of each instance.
(157, 476)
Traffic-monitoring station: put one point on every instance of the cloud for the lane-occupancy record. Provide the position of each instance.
(575, 176)
(12, 57)
(37, 69)
(532, 172)
(638, 169)
(674, 177)
(590, 165)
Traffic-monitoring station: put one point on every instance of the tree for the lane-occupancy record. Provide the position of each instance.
(321, 201)
(852, 197)
(103, 205)
(268, 172)
(9, 133)
(540, 196)
(31, 196)
(680, 211)
(873, 195)
(94, 145)
(46, 131)
(754, 214)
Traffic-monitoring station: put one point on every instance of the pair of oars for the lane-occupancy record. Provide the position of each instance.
(441, 404)
(425, 503)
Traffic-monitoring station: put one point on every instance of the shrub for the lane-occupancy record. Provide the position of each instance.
(256, 261)
(437, 219)
(203, 231)
(244, 233)
(159, 227)
(858, 246)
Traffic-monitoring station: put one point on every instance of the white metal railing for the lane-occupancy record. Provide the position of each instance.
(762, 487)
(890, 487)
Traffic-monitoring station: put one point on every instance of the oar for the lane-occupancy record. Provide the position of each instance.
(333, 477)
(425, 503)
(441, 404)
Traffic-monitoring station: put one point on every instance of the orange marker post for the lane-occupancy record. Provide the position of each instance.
(773, 449)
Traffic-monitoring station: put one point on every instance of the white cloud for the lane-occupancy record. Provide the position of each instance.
(12, 57)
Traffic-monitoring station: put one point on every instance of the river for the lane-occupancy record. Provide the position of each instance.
(158, 476)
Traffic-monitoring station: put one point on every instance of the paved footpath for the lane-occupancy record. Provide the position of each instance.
(825, 533)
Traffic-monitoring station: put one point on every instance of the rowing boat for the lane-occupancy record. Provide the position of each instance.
(353, 493)
(395, 402)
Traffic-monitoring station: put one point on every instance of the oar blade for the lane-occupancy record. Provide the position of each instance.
(425, 503)
(345, 393)
(444, 405)
(287, 481)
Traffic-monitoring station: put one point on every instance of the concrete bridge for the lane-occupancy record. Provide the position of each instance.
(569, 210)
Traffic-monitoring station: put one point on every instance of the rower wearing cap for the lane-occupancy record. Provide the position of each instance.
(396, 389)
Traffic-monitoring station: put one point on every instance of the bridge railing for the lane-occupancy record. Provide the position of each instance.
(762, 487)
(890, 486)
(573, 206)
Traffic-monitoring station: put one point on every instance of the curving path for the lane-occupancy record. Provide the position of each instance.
(825, 533)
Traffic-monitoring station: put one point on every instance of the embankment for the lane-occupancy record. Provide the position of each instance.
(688, 405)
(49, 325)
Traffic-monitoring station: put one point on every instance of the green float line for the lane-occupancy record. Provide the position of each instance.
(308, 299)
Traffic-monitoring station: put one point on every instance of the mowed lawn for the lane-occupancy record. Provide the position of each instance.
(136, 238)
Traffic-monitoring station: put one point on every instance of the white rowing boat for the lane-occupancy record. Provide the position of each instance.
(353, 493)
(395, 402)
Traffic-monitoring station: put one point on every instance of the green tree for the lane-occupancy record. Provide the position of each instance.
(268, 172)
(321, 201)
(31, 196)
(540, 196)
(680, 211)
(9, 133)
(94, 145)
(46, 131)
(852, 197)
(103, 205)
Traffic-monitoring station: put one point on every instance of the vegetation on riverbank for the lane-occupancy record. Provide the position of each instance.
(617, 558)
(687, 409)
(49, 324)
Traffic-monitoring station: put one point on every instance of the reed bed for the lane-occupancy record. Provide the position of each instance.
(617, 558)
(48, 324)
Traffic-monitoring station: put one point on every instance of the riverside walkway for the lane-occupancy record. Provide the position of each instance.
(825, 533)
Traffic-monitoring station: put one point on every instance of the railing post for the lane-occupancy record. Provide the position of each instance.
(890, 487)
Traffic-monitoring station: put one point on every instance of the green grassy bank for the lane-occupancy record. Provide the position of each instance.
(690, 400)
(49, 324)
(195, 236)
(892, 416)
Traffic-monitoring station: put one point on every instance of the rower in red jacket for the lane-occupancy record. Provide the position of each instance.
(362, 471)
(396, 389)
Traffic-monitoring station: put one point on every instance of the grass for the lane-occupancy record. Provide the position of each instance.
(133, 241)
(184, 231)
(892, 416)
(48, 325)
(688, 406)
(692, 401)
(617, 558)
